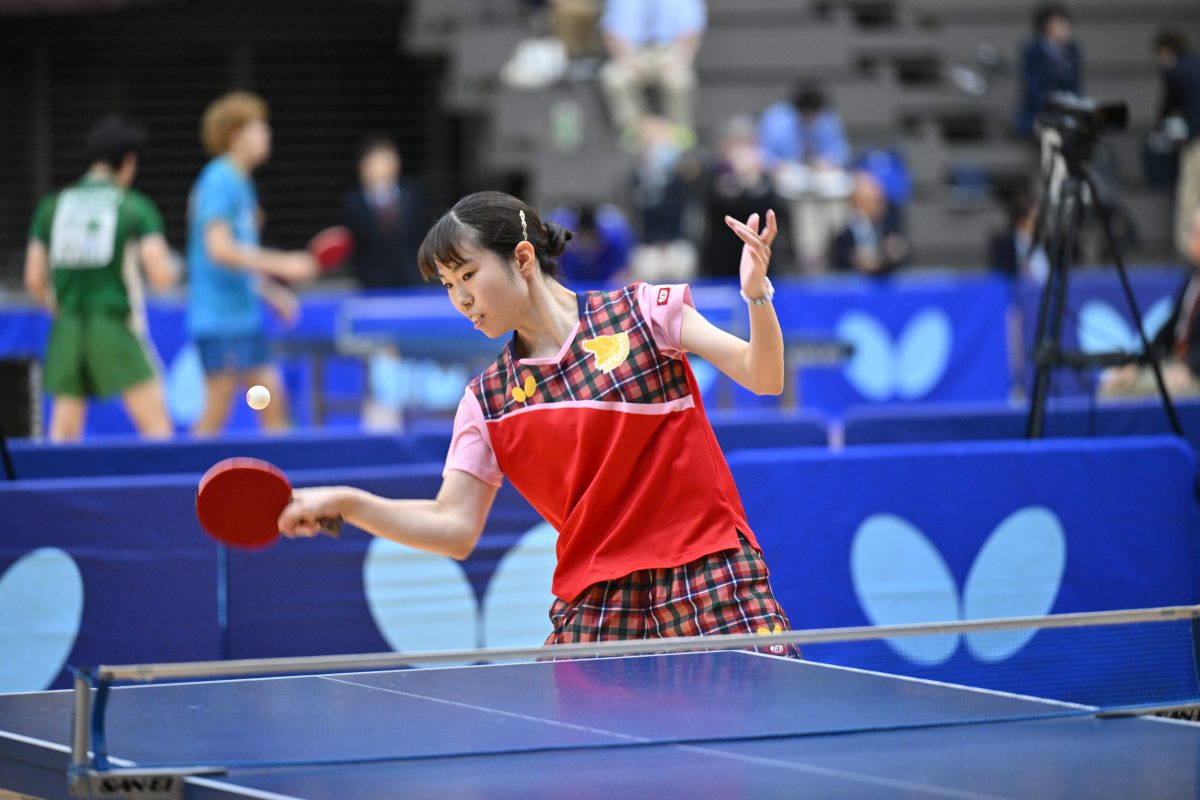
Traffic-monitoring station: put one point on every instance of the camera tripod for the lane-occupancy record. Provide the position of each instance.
(1067, 210)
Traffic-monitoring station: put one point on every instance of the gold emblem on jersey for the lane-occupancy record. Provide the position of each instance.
(610, 351)
(522, 394)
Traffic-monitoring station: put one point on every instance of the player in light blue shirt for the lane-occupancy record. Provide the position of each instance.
(229, 272)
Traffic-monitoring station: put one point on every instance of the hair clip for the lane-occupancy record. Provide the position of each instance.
(524, 228)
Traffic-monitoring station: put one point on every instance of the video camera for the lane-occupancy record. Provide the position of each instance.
(1079, 121)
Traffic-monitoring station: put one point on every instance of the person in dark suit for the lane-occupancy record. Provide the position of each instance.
(871, 243)
(1009, 249)
(386, 214)
(1050, 63)
(1176, 343)
(737, 185)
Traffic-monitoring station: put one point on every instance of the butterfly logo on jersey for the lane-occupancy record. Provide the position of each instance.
(901, 577)
(610, 352)
(908, 368)
(521, 394)
(1102, 329)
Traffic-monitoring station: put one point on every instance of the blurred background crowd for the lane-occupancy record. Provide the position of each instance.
(891, 136)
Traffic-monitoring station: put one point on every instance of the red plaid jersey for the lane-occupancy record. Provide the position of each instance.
(611, 445)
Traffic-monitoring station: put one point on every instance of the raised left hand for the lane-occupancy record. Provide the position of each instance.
(756, 251)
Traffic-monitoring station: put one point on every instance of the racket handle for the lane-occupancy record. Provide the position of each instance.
(331, 527)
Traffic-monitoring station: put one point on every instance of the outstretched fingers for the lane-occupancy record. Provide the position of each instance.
(748, 233)
(771, 229)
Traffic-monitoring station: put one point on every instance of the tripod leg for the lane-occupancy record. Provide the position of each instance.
(1153, 360)
(9, 472)
(1052, 306)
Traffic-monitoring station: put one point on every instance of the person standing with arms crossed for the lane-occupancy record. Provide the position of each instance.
(229, 273)
(593, 413)
(81, 265)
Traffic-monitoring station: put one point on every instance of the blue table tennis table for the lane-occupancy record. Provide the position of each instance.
(730, 724)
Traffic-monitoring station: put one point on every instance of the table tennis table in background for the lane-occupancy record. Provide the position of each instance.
(730, 724)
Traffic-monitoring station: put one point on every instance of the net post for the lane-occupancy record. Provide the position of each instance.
(80, 730)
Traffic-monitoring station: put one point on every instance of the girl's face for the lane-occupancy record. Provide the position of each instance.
(486, 291)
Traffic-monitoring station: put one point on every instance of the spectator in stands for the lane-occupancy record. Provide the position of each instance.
(888, 166)
(386, 214)
(602, 246)
(660, 196)
(1009, 251)
(1181, 98)
(80, 264)
(577, 25)
(1050, 63)
(229, 272)
(738, 185)
(806, 152)
(805, 130)
(651, 43)
(1176, 343)
(869, 244)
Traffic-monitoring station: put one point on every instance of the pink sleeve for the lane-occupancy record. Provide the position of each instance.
(470, 446)
(662, 306)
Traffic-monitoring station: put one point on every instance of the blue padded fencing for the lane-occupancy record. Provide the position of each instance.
(307, 449)
(424, 441)
(1067, 417)
(915, 338)
(121, 571)
(879, 535)
(762, 429)
(103, 570)
(1097, 317)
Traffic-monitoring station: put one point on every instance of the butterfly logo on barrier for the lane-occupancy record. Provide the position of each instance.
(1103, 329)
(43, 592)
(422, 601)
(900, 577)
(910, 367)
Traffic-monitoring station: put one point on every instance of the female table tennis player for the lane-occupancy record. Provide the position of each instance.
(594, 415)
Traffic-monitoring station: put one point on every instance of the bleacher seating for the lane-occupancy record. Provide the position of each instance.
(886, 65)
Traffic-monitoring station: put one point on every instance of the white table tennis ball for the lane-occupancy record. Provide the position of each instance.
(257, 397)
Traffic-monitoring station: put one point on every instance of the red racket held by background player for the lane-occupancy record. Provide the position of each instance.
(239, 501)
(331, 246)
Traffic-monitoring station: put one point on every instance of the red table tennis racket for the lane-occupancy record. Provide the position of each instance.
(331, 246)
(239, 501)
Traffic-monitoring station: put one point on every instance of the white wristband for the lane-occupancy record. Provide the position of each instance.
(760, 301)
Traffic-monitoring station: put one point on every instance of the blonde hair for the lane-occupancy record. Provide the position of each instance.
(226, 115)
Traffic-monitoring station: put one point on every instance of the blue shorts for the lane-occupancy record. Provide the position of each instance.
(233, 353)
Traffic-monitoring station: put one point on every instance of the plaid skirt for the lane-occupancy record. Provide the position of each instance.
(723, 592)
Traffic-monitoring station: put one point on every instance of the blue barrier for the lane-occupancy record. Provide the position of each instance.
(915, 338)
(884, 535)
(103, 570)
(306, 449)
(425, 441)
(1097, 318)
(762, 429)
(1067, 417)
(869, 535)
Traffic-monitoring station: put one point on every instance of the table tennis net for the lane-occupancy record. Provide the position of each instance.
(1110, 664)
(1134, 665)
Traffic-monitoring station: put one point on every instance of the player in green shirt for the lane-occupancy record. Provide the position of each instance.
(81, 264)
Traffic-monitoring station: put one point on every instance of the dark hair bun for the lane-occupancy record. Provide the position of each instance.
(556, 239)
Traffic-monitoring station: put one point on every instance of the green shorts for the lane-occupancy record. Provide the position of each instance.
(94, 354)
